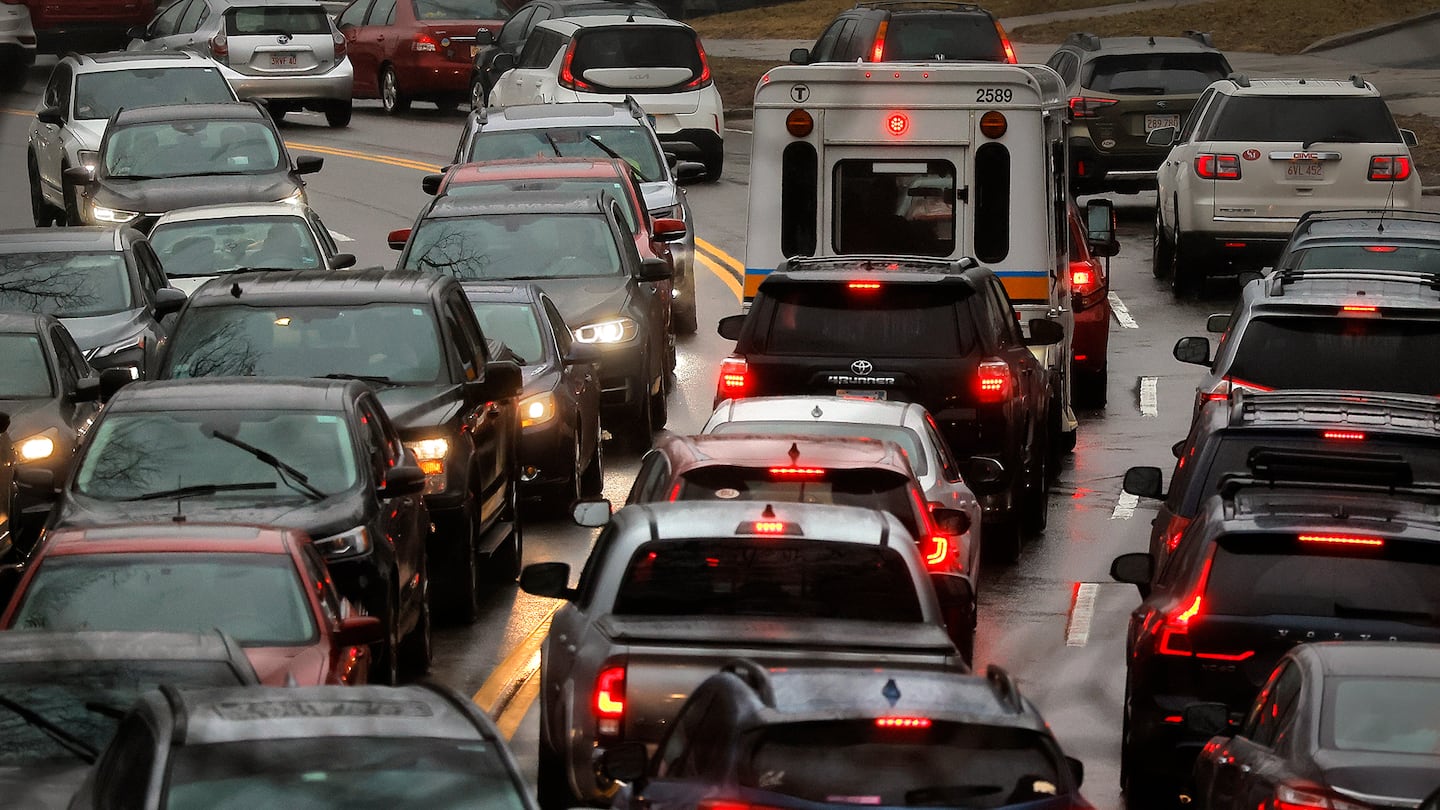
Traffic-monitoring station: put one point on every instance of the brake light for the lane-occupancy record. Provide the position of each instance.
(567, 77)
(1085, 278)
(939, 552)
(1089, 106)
(1175, 634)
(1217, 167)
(1359, 310)
(1307, 797)
(341, 45)
(877, 53)
(1343, 435)
(1381, 248)
(610, 700)
(219, 46)
(897, 124)
(1343, 540)
(902, 722)
(769, 527)
(1005, 43)
(734, 378)
(863, 286)
(424, 43)
(798, 472)
(993, 383)
(1390, 168)
(704, 79)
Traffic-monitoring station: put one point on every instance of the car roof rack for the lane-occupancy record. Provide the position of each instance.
(1202, 37)
(1280, 278)
(1385, 213)
(1240, 79)
(1330, 469)
(878, 264)
(1004, 688)
(1085, 40)
(1357, 81)
(947, 5)
(754, 676)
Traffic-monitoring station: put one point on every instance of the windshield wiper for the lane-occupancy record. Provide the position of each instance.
(202, 489)
(82, 750)
(612, 153)
(297, 480)
(553, 146)
(370, 378)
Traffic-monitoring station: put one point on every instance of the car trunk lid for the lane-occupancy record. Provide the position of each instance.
(279, 40)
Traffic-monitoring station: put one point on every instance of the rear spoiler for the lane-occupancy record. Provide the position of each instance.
(1270, 467)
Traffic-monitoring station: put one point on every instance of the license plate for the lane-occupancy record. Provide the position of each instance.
(1305, 170)
(875, 394)
(474, 49)
(282, 60)
(1154, 122)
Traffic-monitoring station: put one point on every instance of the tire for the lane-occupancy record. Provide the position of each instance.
(714, 164)
(684, 318)
(1185, 278)
(660, 405)
(592, 480)
(560, 496)
(71, 199)
(507, 558)
(338, 113)
(416, 651)
(639, 425)
(41, 211)
(1142, 790)
(478, 93)
(1035, 501)
(447, 105)
(1002, 541)
(1088, 388)
(552, 786)
(391, 98)
(385, 655)
(455, 593)
(1162, 253)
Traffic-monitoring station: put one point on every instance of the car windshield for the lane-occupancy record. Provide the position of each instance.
(1363, 354)
(460, 10)
(24, 374)
(515, 246)
(60, 690)
(313, 772)
(895, 321)
(396, 343)
(1412, 258)
(66, 285)
(1307, 119)
(190, 147)
(258, 599)
(768, 577)
(633, 144)
(277, 19)
(610, 58)
(578, 188)
(908, 439)
(925, 37)
(1156, 74)
(208, 247)
(98, 95)
(515, 325)
(880, 489)
(943, 764)
(134, 455)
(1382, 715)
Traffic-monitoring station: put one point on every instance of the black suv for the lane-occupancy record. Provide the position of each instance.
(1230, 435)
(939, 333)
(415, 340)
(910, 31)
(1368, 239)
(582, 254)
(1121, 89)
(1269, 563)
(1362, 330)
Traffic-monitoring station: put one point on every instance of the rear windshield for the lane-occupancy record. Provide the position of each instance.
(926, 37)
(1281, 576)
(945, 765)
(1156, 74)
(894, 321)
(277, 20)
(908, 439)
(460, 10)
(1383, 715)
(1369, 257)
(872, 489)
(1366, 354)
(99, 95)
(632, 48)
(1309, 119)
(769, 576)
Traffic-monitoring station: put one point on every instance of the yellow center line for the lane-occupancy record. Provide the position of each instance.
(722, 256)
(508, 679)
(509, 720)
(723, 274)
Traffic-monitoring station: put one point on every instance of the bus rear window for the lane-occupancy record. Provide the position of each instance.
(894, 207)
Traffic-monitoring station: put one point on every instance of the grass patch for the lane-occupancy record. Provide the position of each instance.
(805, 19)
(736, 79)
(1427, 154)
(1273, 26)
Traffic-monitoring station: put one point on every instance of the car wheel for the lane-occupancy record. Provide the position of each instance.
(1162, 253)
(1087, 388)
(1035, 502)
(478, 93)
(683, 317)
(1142, 790)
(567, 492)
(71, 197)
(1185, 277)
(391, 98)
(639, 426)
(1002, 540)
(415, 648)
(505, 561)
(40, 210)
(337, 113)
(714, 164)
(385, 655)
(552, 786)
(592, 480)
(457, 589)
(660, 405)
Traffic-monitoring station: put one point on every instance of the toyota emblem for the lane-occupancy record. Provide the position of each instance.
(283, 39)
(862, 367)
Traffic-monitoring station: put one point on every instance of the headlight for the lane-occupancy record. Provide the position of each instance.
(537, 410)
(88, 158)
(431, 454)
(38, 447)
(347, 544)
(101, 352)
(102, 214)
(616, 330)
(297, 198)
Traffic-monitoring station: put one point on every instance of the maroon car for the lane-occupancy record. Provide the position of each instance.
(88, 24)
(1090, 292)
(416, 50)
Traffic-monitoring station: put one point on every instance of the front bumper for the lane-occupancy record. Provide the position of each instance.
(332, 85)
(550, 450)
(624, 381)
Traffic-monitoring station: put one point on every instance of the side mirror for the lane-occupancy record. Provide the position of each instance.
(1207, 719)
(584, 353)
(730, 326)
(309, 164)
(484, 36)
(1136, 568)
(4, 422)
(1408, 136)
(984, 470)
(50, 115)
(79, 175)
(430, 183)
(1164, 136)
(1044, 332)
(1193, 350)
(670, 230)
(1217, 324)
(137, 32)
(1178, 448)
(113, 379)
(340, 261)
(654, 270)
(550, 579)
(35, 478)
(401, 481)
(357, 631)
(799, 56)
(168, 300)
(950, 521)
(1077, 770)
(625, 762)
(503, 62)
(592, 512)
(397, 238)
(87, 389)
(503, 380)
(1145, 482)
(1100, 228)
(688, 171)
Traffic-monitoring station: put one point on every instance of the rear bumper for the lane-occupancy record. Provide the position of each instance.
(332, 85)
(1090, 344)
(1219, 252)
(693, 142)
(434, 77)
(1095, 168)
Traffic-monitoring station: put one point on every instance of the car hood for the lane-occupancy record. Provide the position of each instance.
(274, 664)
(1380, 777)
(337, 513)
(659, 194)
(170, 193)
(88, 132)
(416, 408)
(101, 330)
(43, 786)
(30, 416)
(582, 300)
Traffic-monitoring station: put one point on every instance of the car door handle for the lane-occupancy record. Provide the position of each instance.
(492, 408)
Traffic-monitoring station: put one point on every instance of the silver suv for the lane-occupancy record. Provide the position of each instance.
(287, 53)
(81, 95)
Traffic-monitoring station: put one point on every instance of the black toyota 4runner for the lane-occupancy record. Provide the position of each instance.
(939, 333)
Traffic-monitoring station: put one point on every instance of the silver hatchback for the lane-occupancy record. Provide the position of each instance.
(287, 53)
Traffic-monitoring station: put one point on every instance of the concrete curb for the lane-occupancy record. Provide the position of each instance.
(1362, 34)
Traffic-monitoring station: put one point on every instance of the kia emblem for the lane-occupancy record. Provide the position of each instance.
(1251, 154)
(862, 367)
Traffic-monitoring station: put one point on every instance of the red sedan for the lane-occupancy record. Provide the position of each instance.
(267, 588)
(416, 50)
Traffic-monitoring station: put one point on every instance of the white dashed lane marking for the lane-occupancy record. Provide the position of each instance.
(1125, 506)
(1149, 396)
(1121, 312)
(1082, 610)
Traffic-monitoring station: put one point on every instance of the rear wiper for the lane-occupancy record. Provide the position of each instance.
(297, 480)
(82, 750)
(378, 379)
(616, 155)
(1407, 616)
(202, 489)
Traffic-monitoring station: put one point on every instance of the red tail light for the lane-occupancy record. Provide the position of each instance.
(877, 53)
(994, 382)
(1222, 391)
(219, 46)
(937, 552)
(902, 722)
(704, 79)
(567, 77)
(610, 700)
(1089, 106)
(1359, 310)
(1217, 167)
(1381, 248)
(341, 45)
(1390, 167)
(734, 378)
(1343, 540)
(1343, 435)
(1005, 43)
(1175, 634)
(424, 43)
(1308, 797)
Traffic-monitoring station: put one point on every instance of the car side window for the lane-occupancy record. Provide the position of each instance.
(378, 446)
(381, 13)
(540, 49)
(1268, 720)
(563, 338)
(329, 600)
(825, 45)
(585, 588)
(354, 15)
(65, 346)
(1009, 327)
(1066, 65)
(949, 470)
(124, 774)
(327, 241)
(169, 20)
(541, 15)
(70, 373)
(152, 275)
(1187, 131)
(512, 33)
(57, 91)
(472, 343)
(194, 13)
(653, 475)
(843, 49)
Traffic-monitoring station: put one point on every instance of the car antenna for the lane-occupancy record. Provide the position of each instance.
(794, 453)
(631, 18)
